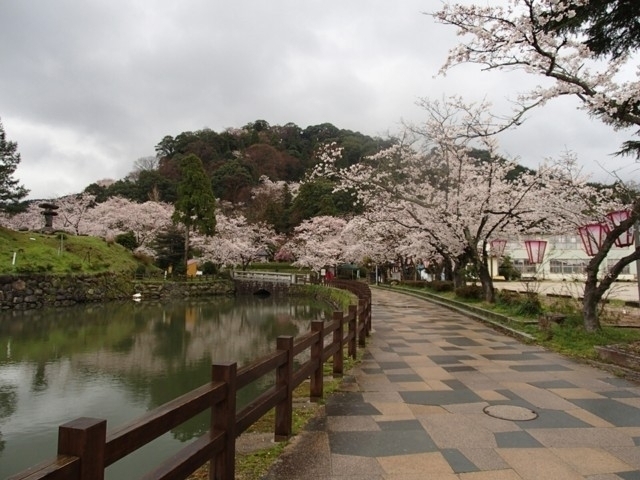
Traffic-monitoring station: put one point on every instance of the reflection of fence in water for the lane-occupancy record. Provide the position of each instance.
(85, 448)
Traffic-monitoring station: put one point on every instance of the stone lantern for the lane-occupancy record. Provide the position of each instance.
(48, 211)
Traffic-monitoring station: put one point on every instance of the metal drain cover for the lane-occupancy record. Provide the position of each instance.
(510, 412)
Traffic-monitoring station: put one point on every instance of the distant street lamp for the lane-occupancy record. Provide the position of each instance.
(535, 250)
(497, 246)
(615, 219)
(592, 236)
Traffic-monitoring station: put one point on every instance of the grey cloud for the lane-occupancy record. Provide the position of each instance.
(89, 87)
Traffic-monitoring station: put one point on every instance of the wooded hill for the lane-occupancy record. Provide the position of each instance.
(236, 159)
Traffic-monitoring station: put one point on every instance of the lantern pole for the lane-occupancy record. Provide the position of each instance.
(636, 228)
(535, 252)
(497, 250)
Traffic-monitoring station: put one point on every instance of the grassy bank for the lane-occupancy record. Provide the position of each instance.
(60, 253)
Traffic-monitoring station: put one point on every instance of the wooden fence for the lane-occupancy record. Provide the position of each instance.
(86, 448)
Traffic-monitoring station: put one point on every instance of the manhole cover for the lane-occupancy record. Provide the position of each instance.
(510, 412)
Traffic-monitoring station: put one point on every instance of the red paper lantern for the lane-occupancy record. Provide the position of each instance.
(616, 218)
(497, 246)
(592, 236)
(535, 250)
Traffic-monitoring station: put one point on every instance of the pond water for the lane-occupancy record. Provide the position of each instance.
(117, 361)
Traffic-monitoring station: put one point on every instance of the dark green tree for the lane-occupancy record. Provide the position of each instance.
(100, 192)
(127, 240)
(153, 186)
(11, 192)
(507, 269)
(169, 248)
(611, 27)
(318, 198)
(195, 206)
(232, 182)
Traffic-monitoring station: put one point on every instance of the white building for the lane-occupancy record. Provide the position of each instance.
(564, 259)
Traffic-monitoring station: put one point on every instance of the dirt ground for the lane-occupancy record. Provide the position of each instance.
(621, 316)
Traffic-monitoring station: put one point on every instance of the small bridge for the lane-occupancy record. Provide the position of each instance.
(255, 282)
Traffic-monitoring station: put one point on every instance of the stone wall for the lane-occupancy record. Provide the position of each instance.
(250, 287)
(29, 292)
(170, 289)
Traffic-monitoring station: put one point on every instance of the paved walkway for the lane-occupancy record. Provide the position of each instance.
(442, 397)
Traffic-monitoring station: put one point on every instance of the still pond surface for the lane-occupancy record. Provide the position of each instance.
(117, 361)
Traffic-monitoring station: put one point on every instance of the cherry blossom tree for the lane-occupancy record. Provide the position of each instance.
(119, 215)
(73, 215)
(578, 203)
(318, 242)
(236, 241)
(284, 255)
(29, 219)
(380, 242)
(73, 212)
(455, 201)
(523, 36)
(271, 201)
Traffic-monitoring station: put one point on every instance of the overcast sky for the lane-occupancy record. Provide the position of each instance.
(89, 86)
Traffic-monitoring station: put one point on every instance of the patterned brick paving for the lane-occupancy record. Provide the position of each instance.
(414, 408)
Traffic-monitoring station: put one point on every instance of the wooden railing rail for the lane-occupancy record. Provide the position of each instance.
(85, 448)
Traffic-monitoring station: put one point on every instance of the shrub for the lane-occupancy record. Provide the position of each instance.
(470, 292)
(508, 270)
(127, 240)
(508, 298)
(530, 305)
(441, 286)
(225, 274)
(415, 283)
(525, 304)
(209, 268)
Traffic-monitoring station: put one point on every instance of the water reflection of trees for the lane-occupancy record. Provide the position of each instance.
(8, 404)
(156, 350)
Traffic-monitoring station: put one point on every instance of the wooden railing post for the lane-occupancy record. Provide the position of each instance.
(284, 379)
(85, 438)
(223, 417)
(362, 323)
(338, 337)
(353, 332)
(368, 316)
(317, 377)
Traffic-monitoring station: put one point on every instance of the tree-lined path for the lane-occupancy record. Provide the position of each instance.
(443, 397)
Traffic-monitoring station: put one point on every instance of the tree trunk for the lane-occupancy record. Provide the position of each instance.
(447, 268)
(186, 247)
(591, 298)
(487, 283)
(459, 275)
(590, 314)
(594, 291)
